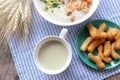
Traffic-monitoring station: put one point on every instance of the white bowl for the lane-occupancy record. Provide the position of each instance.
(93, 8)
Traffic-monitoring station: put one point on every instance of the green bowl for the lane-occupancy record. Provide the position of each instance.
(84, 33)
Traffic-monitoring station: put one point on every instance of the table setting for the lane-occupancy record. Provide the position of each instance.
(25, 52)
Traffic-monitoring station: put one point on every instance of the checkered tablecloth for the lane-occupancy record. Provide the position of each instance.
(22, 53)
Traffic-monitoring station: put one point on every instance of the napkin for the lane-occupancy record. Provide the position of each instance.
(22, 51)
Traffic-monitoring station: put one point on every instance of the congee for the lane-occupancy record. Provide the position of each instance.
(66, 10)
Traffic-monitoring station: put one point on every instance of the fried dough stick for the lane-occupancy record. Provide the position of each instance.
(107, 49)
(112, 32)
(97, 60)
(117, 37)
(94, 44)
(100, 54)
(86, 43)
(114, 55)
(102, 27)
(94, 33)
(117, 44)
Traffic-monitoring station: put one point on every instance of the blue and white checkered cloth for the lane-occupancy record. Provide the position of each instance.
(22, 53)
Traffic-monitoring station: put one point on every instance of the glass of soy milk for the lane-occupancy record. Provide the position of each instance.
(53, 54)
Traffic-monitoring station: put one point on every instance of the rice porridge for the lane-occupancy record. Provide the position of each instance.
(66, 10)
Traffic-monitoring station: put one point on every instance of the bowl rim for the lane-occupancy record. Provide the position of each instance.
(69, 23)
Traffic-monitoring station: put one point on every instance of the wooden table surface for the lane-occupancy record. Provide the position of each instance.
(8, 70)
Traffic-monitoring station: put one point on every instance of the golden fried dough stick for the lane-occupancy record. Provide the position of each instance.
(102, 27)
(94, 44)
(112, 32)
(117, 36)
(97, 60)
(102, 35)
(117, 44)
(107, 49)
(94, 33)
(114, 55)
(100, 54)
(90, 39)
(86, 43)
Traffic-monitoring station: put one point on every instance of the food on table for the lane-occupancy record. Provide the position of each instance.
(107, 49)
(66, 10)
(102, 27)
(102, 57)
(84, 6)
(112, 32)
(100, 52)
(95, 33)
(89, 1)
(117, 36)
(72, 19)
(102, 35)
(117, 44)
(94, 44)
(86, 43)
(53, 55)
(113, 53)
(105, 42)
(97, 60)
(90, 39)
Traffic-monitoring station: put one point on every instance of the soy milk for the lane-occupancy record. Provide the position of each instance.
(53, 55)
